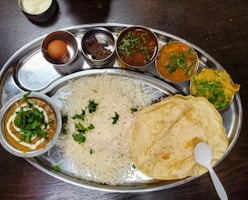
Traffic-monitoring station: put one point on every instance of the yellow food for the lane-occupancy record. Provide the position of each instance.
(164, 136)
(57, 49)
(18, 135)
(214, 85)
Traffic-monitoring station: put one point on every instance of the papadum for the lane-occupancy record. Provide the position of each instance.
(164, 135)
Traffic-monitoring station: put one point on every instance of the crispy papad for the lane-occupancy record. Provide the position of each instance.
(164, 135)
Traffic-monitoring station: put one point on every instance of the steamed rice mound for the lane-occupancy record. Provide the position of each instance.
(105, 155)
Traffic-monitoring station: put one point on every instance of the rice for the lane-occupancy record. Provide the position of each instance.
(105, 155)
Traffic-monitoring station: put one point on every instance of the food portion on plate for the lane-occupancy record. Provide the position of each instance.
(59, 48)
(177, 61)
(215, 85)
(30, 125)
(137, 47)
(113, 133)
(164, 136)
(100, 110)
(98, 47)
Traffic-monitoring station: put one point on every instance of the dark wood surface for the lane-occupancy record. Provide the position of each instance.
(218, 27)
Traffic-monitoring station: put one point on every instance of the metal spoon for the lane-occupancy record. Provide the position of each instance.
(203, 156)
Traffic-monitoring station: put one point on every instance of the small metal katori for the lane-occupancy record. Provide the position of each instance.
(137, 48)
(63, 64)
(6, 140)
(38, 11)
(98, 47)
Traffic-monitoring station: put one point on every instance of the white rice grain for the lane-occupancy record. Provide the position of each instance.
(110, 161)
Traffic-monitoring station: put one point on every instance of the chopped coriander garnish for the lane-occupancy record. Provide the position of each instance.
(56, 168)
(78, 137)
(91, 126)
(135, 109)
(181, 60)
(30, 123)
(212, 90)
(25, 96)
(91, 151)
(80, 116)
(171, 68)
(115, 118)
(81, 129)
(92, 106)
(30, 104)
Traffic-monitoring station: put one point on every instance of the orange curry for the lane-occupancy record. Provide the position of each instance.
(177, 61)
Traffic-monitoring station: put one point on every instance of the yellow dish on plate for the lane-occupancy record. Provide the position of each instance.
(165, 134)
(216, 86)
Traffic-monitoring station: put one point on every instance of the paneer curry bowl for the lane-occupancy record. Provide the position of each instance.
(30, 124)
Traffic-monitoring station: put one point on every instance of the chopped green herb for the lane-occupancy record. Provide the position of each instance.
(133, 110)
(30, 123)
(25, 96)
(78, 137)
(91, 151)
(179, 60)
(115, 118)
(91, 126)
(92, 106)
(30, 104)
(81, 116)
(212, 90)
(80, 128)
(56, 168)
(171, 68)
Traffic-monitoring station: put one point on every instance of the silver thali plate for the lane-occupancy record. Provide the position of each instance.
(28, 70)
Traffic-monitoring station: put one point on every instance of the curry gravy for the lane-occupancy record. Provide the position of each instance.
(14, 134)
(137, 47)
(177, 61)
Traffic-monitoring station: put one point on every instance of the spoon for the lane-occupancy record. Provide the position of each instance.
(203, 156)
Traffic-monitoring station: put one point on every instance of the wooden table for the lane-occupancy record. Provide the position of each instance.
(218, 27)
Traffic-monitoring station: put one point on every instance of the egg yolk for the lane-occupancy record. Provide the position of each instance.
(57, 49)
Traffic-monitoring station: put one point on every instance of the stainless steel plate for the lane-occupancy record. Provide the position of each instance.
(28, 70)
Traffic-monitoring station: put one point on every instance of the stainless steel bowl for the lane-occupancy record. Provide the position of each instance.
(5, 142)
(126, 37)
(71, 43)
(99, 40)
(41, 16)
(173, 50)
